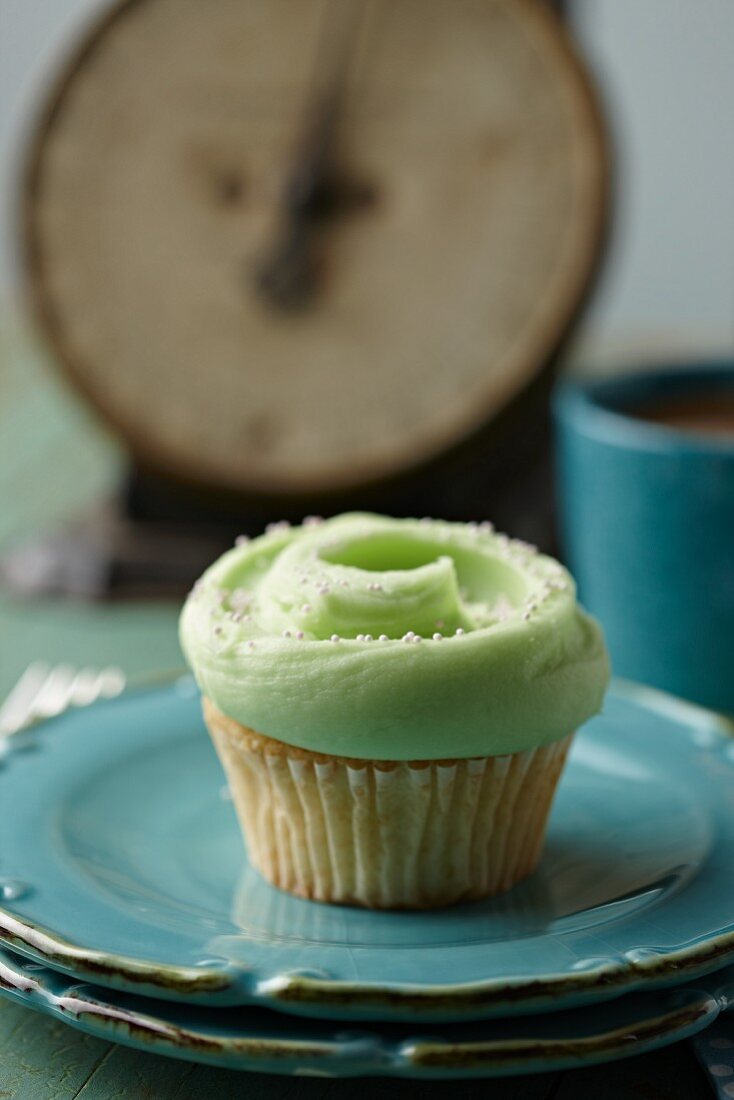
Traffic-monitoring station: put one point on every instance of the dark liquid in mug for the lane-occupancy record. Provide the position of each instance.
(702, 414)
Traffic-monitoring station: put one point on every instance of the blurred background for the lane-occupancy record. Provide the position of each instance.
(302, 256)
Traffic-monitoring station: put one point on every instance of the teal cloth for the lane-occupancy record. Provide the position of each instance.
(715, 1050)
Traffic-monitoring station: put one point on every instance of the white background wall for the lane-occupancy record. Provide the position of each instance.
(33, 35)
(667, 74)
(668, 81)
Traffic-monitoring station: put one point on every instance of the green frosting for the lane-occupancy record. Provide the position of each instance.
(389, 639)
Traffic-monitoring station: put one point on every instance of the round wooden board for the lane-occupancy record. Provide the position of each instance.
(154, 187)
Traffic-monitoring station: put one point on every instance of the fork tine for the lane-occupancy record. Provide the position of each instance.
(44, 691)
(54, 695)
(17, 709)
(112, 681)
(84, 688)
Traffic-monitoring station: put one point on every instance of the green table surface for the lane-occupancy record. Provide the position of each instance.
(55, 461)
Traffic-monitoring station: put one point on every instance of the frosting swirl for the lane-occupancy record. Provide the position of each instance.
(387, 639)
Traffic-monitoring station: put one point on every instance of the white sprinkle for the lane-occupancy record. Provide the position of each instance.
(459, 632)
(247, 618)
(324, 590)
(407, 638)
(417, 638)
(426, 519)
(438, 637)
(375, 587)
(236, 616)
(242, 540)
(313, 521)
(300, 635)
(281, 525)
(250, 645)
(361, 638)
(368, 638)
(305, 608)
(473, 527)
(343, 583)
(286, 633)
(335, 638)
(240, 598)
(383, 638)
(486, 526)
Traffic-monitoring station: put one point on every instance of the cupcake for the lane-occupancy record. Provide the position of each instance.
(392, 702)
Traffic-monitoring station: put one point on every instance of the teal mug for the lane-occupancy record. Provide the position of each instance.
(645, 472)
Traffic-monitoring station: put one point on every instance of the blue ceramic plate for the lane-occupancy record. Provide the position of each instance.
(270, 1042)
(121, 863)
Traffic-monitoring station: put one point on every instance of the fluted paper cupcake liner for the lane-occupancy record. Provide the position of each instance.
(384, 834)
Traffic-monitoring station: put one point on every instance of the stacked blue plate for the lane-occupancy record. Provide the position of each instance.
(127, 910)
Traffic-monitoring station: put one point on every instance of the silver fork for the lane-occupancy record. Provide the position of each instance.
(46, 690)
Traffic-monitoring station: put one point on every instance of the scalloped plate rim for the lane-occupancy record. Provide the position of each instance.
(309, 996)
(358, 1052)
